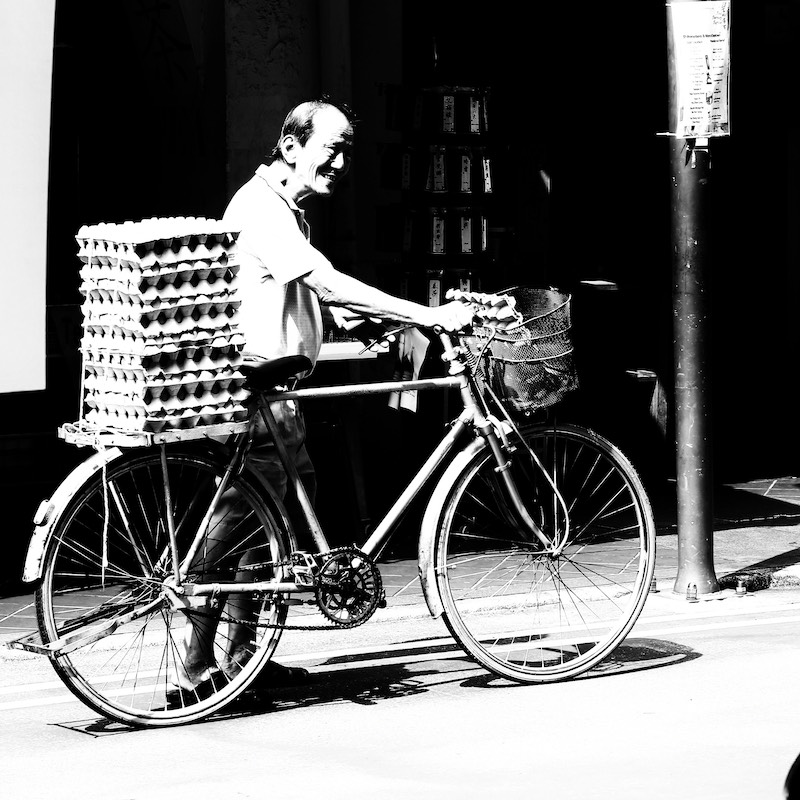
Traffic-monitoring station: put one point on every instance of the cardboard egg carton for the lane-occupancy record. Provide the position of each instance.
(138, 371)
(125, 343)
(183, 278)
(154, 296)
(132, 419)
(156, 242)
(217, 353)
(121, 339)
(168, 392)
(161, 347)
(170, 319)
(493, 310)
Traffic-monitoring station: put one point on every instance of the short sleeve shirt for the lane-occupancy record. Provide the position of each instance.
(278, 315)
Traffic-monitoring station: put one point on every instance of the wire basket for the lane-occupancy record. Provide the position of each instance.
(529, 366)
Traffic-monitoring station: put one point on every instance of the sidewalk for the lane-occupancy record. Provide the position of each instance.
(756, 541)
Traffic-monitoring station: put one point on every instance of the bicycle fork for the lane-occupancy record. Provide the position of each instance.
(503, 469)
(487, 430)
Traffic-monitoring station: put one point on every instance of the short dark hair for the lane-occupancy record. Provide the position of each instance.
(299, 122)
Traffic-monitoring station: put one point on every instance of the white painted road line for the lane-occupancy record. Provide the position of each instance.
(642, 628)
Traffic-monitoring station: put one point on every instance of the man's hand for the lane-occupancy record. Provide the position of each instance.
(370, 330)
(453, 316)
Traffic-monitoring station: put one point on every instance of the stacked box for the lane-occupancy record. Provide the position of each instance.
(161, 349)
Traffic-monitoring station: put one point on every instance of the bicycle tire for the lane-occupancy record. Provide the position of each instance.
(129, 674)
(521, 613)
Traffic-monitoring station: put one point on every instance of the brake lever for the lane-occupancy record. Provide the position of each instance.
(385, 335)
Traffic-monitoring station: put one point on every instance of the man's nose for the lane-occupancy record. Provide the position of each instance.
(340, 162)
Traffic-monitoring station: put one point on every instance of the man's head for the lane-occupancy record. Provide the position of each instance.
(316, 142)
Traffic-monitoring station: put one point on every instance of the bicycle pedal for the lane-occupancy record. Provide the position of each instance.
(304, 568)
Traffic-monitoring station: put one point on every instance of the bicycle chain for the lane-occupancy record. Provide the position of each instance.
(328, 625)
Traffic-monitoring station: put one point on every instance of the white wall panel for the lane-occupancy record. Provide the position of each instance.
(26, 65)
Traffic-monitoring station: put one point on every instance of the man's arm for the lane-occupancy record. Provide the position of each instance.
(336, 288)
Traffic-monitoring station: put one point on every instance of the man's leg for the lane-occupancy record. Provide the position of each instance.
(200, 631)
(263, 457)
(202, 627)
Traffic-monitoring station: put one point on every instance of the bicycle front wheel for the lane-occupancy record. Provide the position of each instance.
(120, 640)
(532, 615)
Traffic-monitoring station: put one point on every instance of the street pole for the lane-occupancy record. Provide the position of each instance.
(690, 173)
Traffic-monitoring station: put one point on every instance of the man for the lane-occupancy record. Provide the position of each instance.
(283, 280)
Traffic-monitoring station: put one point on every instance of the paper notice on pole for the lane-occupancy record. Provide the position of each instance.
(701, 37)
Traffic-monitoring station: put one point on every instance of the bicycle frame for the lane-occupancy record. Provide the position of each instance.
(471, 417)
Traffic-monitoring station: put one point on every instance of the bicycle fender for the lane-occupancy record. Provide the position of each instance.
(431, 521)
(51, 509)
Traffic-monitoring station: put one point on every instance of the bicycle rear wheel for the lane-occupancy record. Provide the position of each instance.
(121, 642)
(521, 612)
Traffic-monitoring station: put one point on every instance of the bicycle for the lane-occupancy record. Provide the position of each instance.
(537, 545)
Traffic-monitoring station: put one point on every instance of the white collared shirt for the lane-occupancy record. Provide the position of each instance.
(278, 315)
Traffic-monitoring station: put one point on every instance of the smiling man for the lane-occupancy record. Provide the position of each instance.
(283, 280)
(283, 277)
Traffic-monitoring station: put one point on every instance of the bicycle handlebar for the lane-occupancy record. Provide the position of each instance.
(489, 310)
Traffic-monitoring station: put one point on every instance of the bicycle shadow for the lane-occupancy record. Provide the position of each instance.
(633, 655)
(365, 685)
(375, 683)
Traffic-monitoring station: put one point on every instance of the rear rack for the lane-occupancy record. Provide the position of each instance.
(83, 434)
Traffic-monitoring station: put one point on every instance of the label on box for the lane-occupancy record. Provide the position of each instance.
(465, 173)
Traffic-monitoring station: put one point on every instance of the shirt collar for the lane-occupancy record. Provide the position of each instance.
(264, 173)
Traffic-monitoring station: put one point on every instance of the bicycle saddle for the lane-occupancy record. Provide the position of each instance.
(275, 372)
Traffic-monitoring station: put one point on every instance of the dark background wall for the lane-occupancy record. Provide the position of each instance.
(163, 108)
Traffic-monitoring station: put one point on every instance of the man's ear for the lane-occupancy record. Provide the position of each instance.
(289, 147)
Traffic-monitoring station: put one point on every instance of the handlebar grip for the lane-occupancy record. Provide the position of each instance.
(447, 342)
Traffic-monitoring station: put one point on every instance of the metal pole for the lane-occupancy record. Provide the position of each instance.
(690, 172)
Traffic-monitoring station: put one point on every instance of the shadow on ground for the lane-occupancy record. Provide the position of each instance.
(734, 506)
(633, 655)
(373, 684)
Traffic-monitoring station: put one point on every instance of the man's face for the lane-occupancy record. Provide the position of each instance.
(325, 157)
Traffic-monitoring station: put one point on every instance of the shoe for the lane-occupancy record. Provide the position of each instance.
(277, 675)
(273, 676)
(178, 697)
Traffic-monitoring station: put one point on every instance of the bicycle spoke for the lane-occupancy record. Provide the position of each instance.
(118, 641)
(533, 615)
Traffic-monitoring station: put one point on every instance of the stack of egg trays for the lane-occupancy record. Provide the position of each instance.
(161, 349)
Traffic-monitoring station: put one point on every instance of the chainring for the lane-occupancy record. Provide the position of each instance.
(349, 587)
